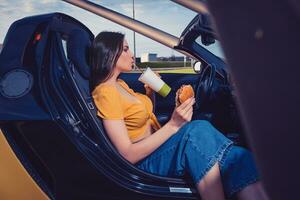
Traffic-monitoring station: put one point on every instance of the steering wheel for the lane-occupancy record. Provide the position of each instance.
(205, 83)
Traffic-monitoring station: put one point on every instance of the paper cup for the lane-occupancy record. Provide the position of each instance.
(155, 83)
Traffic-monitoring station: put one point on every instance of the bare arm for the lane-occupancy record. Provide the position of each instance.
(134, 152)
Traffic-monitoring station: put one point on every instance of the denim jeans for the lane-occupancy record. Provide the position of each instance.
(194, 149)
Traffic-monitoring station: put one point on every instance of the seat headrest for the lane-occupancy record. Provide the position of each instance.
(78, 45)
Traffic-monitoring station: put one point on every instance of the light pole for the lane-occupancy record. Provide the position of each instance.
(133, 14)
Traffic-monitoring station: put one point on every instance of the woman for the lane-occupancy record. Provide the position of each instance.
(217, 167)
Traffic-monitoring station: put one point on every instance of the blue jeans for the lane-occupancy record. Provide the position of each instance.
(194, 149)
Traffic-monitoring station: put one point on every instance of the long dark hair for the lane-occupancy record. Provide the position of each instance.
(104, 53)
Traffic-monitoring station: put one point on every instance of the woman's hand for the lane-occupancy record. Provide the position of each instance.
(182, 114)
(149, 90)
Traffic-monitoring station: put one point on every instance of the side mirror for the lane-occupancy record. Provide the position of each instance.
(197, 67)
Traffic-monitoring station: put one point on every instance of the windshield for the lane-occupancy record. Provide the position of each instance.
(214, 48)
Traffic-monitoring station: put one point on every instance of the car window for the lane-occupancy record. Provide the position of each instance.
(214, 48)
(175, 64)
(179, 64)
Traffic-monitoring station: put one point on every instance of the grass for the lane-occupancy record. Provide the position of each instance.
(171, 71)
(167, 67)
(179, 71)
(163, 64)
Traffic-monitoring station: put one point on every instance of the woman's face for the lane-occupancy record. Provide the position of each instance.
(126, 59)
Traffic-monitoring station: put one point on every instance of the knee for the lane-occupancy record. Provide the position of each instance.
(196, 132)
(201, 128)
(197, 126)
(199, 123)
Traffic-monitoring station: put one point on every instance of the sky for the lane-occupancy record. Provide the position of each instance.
(163, 14)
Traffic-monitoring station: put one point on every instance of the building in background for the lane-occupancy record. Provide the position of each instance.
(174, 58)
(148, 57)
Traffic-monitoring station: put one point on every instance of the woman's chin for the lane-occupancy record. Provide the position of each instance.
(127, 70)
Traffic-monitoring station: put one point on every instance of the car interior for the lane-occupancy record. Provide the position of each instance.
(48, 120)
(55, 52)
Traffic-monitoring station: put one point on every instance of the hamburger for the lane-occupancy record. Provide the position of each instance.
(183, 93)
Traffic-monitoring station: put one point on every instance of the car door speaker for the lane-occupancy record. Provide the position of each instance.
(16, 83)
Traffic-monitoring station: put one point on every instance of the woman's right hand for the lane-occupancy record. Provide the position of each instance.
(182, 114)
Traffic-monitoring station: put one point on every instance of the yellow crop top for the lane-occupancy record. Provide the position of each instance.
(112, 104)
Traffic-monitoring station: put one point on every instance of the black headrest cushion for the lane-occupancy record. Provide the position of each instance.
(78, 44)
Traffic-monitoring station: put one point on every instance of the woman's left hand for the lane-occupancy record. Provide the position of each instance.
(148, 89)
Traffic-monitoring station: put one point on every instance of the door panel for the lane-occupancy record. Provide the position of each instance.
(15, 181)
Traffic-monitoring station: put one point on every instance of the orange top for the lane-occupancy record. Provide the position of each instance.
(112, 104)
